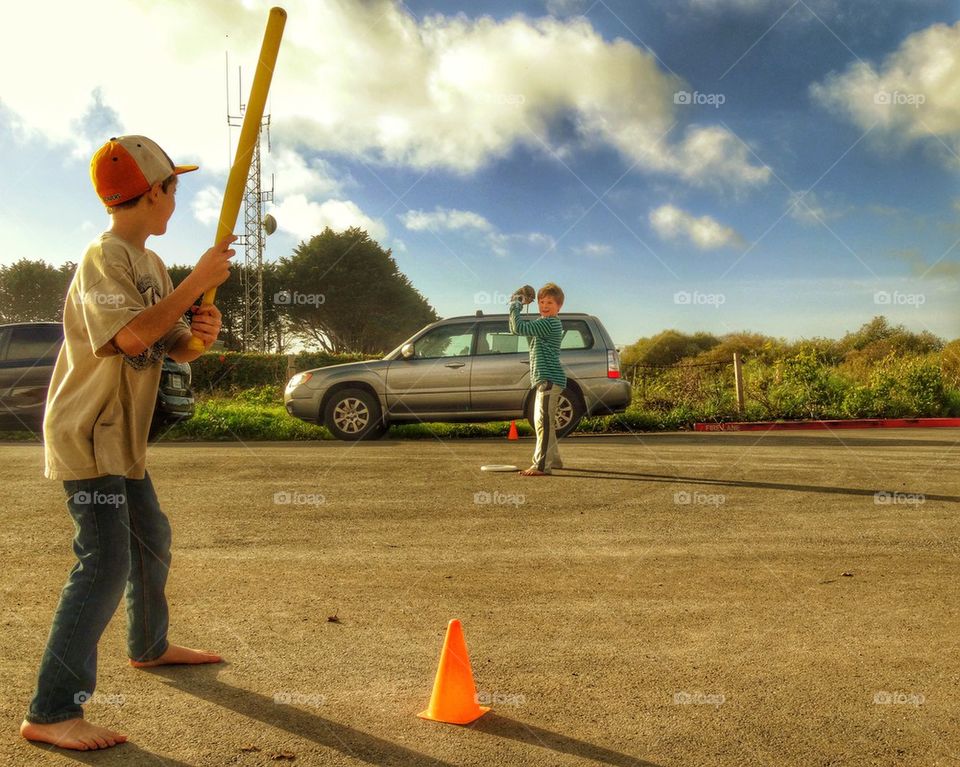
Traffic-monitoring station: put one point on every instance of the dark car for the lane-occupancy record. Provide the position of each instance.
(28, 352)
(174, 397)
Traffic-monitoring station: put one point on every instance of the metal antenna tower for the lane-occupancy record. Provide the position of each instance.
(254, 196)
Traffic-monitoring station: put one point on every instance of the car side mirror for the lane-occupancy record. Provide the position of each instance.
(406, 351)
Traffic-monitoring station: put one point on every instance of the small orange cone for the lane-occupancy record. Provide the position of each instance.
(513, 431)
(454, 698)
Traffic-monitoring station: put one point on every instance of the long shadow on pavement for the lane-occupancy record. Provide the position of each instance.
(125, 754)
(363, 746)
(351, 742)
(755, 439)
(504, 727)
(631, 476)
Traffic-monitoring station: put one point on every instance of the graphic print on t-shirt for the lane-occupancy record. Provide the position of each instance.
(150, 291)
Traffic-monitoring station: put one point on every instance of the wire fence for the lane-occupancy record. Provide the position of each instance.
(802, 386)
(700, 385)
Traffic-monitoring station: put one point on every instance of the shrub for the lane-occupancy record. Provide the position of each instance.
(950, 364)
(923, 389)
(223, 419)
(269, 394)
(231, 371)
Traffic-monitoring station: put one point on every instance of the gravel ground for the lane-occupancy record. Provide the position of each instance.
(669, 599)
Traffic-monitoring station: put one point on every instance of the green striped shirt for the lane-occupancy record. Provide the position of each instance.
(545, 334)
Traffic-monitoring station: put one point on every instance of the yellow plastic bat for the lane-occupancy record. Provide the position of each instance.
(249, 136)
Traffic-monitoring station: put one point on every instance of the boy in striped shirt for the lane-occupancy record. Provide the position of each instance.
(546, 374)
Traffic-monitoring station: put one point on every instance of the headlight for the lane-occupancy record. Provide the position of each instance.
(299, 378)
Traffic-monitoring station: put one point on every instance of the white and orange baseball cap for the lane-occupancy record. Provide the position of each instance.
(127, 166)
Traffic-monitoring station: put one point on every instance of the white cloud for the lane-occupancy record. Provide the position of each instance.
(171, 89)
(922, 268)
(364, 80)
(207, 204)
(296, 206)
(914, 95)
(714, 154)
(566, 7)
(745, 5)
(441, 219)
(808, 208)
(305, 218)
(468, 222)
(593, 250)
(505, 244)
(297, 175)
(705, 232)
(792, 10)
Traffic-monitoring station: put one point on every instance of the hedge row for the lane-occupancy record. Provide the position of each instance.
(229, 371)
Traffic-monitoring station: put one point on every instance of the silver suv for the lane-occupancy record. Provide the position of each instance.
(460, 369)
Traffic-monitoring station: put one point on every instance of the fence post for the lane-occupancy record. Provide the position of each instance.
(291, 371)
(738, 381)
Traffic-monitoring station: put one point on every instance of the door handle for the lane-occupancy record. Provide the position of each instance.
(454, 365)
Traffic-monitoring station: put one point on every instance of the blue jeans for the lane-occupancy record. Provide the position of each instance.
(122, 544)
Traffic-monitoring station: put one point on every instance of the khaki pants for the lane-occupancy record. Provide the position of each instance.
(546, 455)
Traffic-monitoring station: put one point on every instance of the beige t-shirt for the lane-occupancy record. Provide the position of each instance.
(100, 402)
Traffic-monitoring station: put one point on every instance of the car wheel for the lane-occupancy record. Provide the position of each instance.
(569, 412)
(158, 426)
(353, 414)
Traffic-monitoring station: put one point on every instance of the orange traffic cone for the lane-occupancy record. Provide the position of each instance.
(454, 698)
(513, 431)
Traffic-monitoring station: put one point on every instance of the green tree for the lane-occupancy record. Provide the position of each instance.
(667, 348)
(344, 292)
(229, 300)
(878, 338)
(747, 345)
(863, 350)
(33, 291)
(275, 320)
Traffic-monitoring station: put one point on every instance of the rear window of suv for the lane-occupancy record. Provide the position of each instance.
(496, 338)
(34, 342)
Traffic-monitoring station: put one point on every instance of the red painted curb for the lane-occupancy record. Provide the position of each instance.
(853, 423)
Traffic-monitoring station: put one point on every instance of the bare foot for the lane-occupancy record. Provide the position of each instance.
(177, 655)
(77, 734)
(532, 472)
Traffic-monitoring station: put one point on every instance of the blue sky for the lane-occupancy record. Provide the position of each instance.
(783, 167)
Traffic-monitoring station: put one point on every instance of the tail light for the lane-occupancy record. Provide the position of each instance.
(613, 364)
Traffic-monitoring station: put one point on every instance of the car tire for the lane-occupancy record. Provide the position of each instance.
(158, 427)
(353, 414)
(570, 411)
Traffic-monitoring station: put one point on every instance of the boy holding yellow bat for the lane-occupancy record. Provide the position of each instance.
(121, 317)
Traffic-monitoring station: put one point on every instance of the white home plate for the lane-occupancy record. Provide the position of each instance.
(498, 467)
